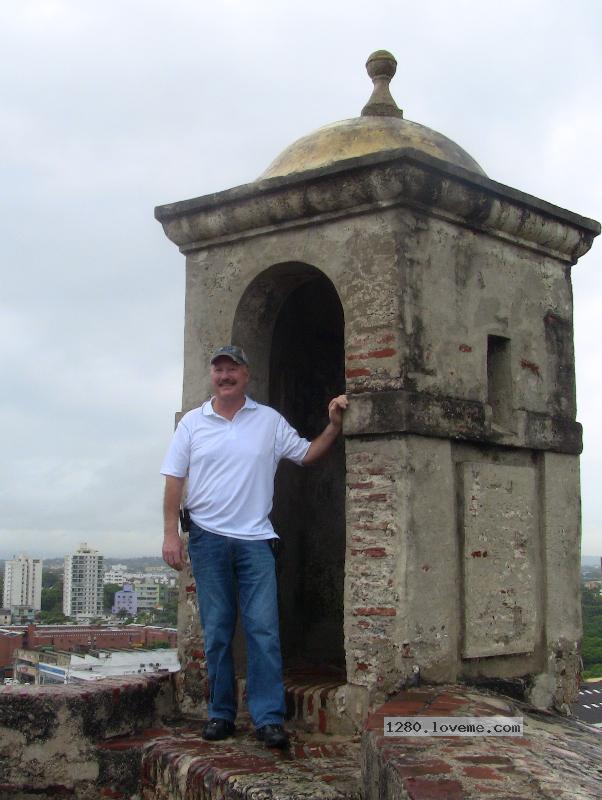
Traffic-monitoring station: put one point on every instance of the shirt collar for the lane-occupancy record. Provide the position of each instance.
(207, 407)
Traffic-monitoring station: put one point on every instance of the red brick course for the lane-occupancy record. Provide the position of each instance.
(357, 372)
(375, 612)
(385, 352)
(422, 789)
(371, 552)
(482, 772)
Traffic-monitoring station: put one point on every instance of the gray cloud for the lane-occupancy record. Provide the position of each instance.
(112, 108)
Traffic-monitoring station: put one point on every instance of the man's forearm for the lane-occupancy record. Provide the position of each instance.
(171, 504)
(322, 443)
(173, 552)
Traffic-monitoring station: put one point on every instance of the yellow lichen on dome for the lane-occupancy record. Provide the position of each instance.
(363, 136)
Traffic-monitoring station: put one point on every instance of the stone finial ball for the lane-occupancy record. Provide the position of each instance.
(381, 64)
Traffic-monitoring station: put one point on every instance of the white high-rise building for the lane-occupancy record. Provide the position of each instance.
(23, 582)
(82, 591)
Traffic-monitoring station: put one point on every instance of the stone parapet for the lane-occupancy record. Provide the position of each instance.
(50, 735)
(555, 758)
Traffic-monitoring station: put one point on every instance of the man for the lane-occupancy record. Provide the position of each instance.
(229, 449)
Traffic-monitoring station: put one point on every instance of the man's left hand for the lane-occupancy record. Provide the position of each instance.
(336, 407)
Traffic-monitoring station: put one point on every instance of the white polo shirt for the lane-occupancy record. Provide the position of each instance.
(231, 466)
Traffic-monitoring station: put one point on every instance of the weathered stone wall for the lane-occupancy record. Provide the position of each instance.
(192, 688)
(370, 296)
(51, 737)
(445, 572)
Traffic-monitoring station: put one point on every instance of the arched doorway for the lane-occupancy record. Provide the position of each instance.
(291, 322)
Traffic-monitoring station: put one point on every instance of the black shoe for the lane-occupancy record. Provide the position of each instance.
(273, 736)
(217, 729)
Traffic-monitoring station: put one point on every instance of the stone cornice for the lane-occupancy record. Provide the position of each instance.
(403, 177)
(397, 411)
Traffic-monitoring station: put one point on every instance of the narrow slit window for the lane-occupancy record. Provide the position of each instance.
(499, 379)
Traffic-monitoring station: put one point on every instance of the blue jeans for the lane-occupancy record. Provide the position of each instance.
(223, 568)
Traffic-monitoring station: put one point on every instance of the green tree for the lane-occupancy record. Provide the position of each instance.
(591, 647)
(168, 615)
(108, 595)
(52, 598)
(53, 617)
(50, 578)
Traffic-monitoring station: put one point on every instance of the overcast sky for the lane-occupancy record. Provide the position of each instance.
(110, 108)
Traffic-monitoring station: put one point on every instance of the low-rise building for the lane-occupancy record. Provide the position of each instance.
(126, 600)
(43, 667)
(10, 641)
(114, 576)
(80, 638)
(22, 615)
(147, 595)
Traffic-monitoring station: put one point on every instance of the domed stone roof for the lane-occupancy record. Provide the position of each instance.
(381, 127)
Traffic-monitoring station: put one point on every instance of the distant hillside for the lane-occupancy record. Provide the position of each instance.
(138, 564)
(590, 561)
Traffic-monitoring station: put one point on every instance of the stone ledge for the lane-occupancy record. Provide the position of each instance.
(49, 734)
(374, 413)
(184, 767)
(556, 758)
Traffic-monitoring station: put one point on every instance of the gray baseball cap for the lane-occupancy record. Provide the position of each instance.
(231, 351)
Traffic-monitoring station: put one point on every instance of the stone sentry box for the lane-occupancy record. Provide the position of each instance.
(441, 537)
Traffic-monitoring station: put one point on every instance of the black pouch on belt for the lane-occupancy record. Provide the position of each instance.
(185, 519)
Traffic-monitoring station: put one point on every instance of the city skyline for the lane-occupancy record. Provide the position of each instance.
(92, 308)
(112, 560)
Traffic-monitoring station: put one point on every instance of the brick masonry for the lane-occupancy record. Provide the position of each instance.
(372, 586)
(184, 767)
(555, 759)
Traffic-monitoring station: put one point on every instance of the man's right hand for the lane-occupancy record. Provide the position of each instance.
(173, 551)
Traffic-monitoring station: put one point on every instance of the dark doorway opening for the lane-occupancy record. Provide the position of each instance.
(306, 370)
